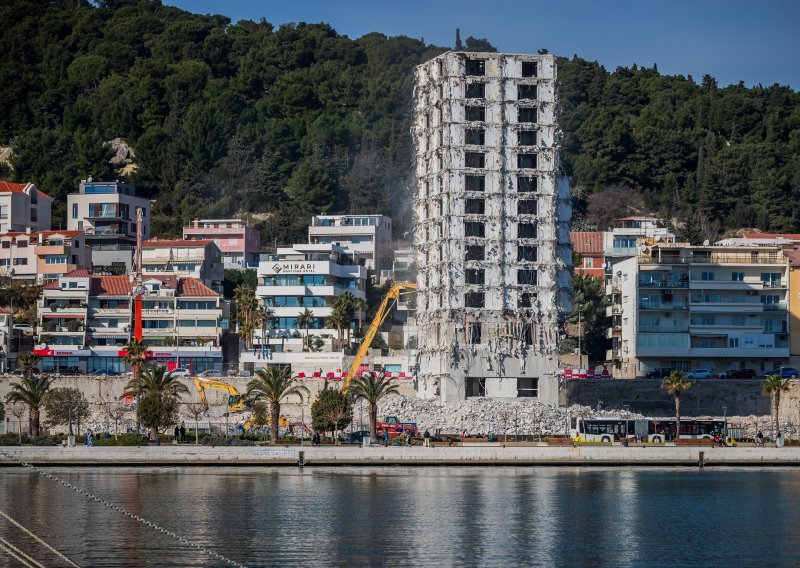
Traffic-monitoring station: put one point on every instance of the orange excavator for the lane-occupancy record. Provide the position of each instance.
(397, 290)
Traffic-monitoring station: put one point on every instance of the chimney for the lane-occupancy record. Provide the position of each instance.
(41, 238)
(196, 223)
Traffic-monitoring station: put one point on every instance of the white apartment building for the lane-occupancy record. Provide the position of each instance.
(239, 243)
(23, 207)
(492, 241)
(699, 307)
(304, 276)
(630, 234)
(106, 212)
(369, 236)
(85, 322)
(201, 260)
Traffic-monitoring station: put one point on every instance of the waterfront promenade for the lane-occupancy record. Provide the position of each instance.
(190, 455)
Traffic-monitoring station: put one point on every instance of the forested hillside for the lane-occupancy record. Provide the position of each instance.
(284, 122)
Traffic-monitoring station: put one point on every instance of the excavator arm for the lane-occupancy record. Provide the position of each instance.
(398, 289)
(234, 398)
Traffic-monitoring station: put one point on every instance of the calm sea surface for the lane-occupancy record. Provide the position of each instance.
(415, 516)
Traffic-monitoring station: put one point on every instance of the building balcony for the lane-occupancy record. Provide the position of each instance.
(621, 251)
(744, 260)
(664, 328)
(736, 307)
(613, 332)
(158, 332)
(664, 307)
(713, 352)
(614, 310)
(735, 285)
(613, 288)
(663, 284)
(158, 312)
(103, 330)
(111, 312)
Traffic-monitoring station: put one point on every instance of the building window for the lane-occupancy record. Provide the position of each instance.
(526, 253)
(474, 183)
(588, 262)
(474, 229)
(526, 277)
(526, 92)
(528, 387)
(708, 276)
(526, 115)
(474, 299)
(474, 160)
(527, 299)
(476, 91)
(526, 184)
(5, 261)
(526, 161)
(6, 244)
(476, 67)
(474, 276)
(55, 259)
(20, 262)
(34, 215)
(526, 230)
(474, 333)
(526, 207)
(529, 69)
(474, 113)
(473, 252)
(475, 206)
(475, 136)
(526, 137)
(74, 210)
(737, 276)
(475, 386)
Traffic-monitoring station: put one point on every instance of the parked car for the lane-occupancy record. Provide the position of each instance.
(181, 372)
(785, 372)
(700, 374)
(25, 328)
(738, 374)
(210, 373)
(356, 437)
(658, 373)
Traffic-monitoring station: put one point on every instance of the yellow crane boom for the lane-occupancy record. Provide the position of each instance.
(398, 289)
(234, 398)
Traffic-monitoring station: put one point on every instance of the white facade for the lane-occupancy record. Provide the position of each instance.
(306, 276)
(687, 308)
(106, 212)
(369, 236)
(190, 259)
(23, 207)
(492, 242)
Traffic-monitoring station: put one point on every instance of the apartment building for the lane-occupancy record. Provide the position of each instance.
(369, 236)
(239, 244)
(24, 207)
(588, 250)
(43, 256)
(85, 322)
(201, 260)
(304, 276)
(492, 240)
(106, 212)
(699, 307)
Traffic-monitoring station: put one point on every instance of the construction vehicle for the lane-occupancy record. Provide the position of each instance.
(396, 428)
(397, 290)
(235, 403)
(283, 422)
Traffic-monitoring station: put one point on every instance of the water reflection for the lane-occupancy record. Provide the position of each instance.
(418, 516)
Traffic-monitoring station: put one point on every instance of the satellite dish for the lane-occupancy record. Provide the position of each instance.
(89, 179)
(705, 243)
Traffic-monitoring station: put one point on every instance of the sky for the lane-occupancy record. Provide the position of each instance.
(757, 42)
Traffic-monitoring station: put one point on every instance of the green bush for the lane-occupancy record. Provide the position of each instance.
(128, 439)
(45, 441)
(12, 439)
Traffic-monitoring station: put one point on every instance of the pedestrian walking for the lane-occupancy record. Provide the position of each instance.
(426, 439)
(177, 434)
(89, 439)
(408, 437)
(385, 438)
(183, 432)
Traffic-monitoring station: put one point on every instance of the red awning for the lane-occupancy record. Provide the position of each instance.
(63, 316)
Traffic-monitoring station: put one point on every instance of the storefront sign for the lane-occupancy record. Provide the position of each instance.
(61, 352)
(285, 267)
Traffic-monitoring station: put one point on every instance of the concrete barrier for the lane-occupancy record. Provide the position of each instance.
(411, 456)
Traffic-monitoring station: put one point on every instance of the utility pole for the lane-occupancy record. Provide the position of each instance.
(580, 338)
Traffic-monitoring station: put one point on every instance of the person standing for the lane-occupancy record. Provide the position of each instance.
(386, 438)
(426, 439)
(183, 432)
(177, 434)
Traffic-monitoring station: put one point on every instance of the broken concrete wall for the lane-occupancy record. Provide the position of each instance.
(487, 181)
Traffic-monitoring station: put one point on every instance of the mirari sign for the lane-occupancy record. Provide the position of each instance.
(295, 268)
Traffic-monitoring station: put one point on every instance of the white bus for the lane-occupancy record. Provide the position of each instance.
(648, 430)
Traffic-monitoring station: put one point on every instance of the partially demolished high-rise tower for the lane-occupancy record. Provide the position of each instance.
(492, 237)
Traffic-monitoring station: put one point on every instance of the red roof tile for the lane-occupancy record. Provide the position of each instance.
(784, 236)
(193, 287)
(77, 273)
(587, 242)
(13, 187)
(70, 234)
(111, 286)
(157, 243)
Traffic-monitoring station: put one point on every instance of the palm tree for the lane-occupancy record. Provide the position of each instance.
(264, 317)
(774, 385)
(155, 379)
(30, 391)
(244, 299)
(159, 383)
(135, 356)
(345, 305)
(304, 319)
(372, 388)
(337, 320)
(272, 386)
(675, 383)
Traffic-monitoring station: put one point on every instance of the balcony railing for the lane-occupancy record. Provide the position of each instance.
(664, 328)
(660, 306)
(713, 259)
(663, 284)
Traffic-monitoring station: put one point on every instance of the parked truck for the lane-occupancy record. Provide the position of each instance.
(396, 428)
